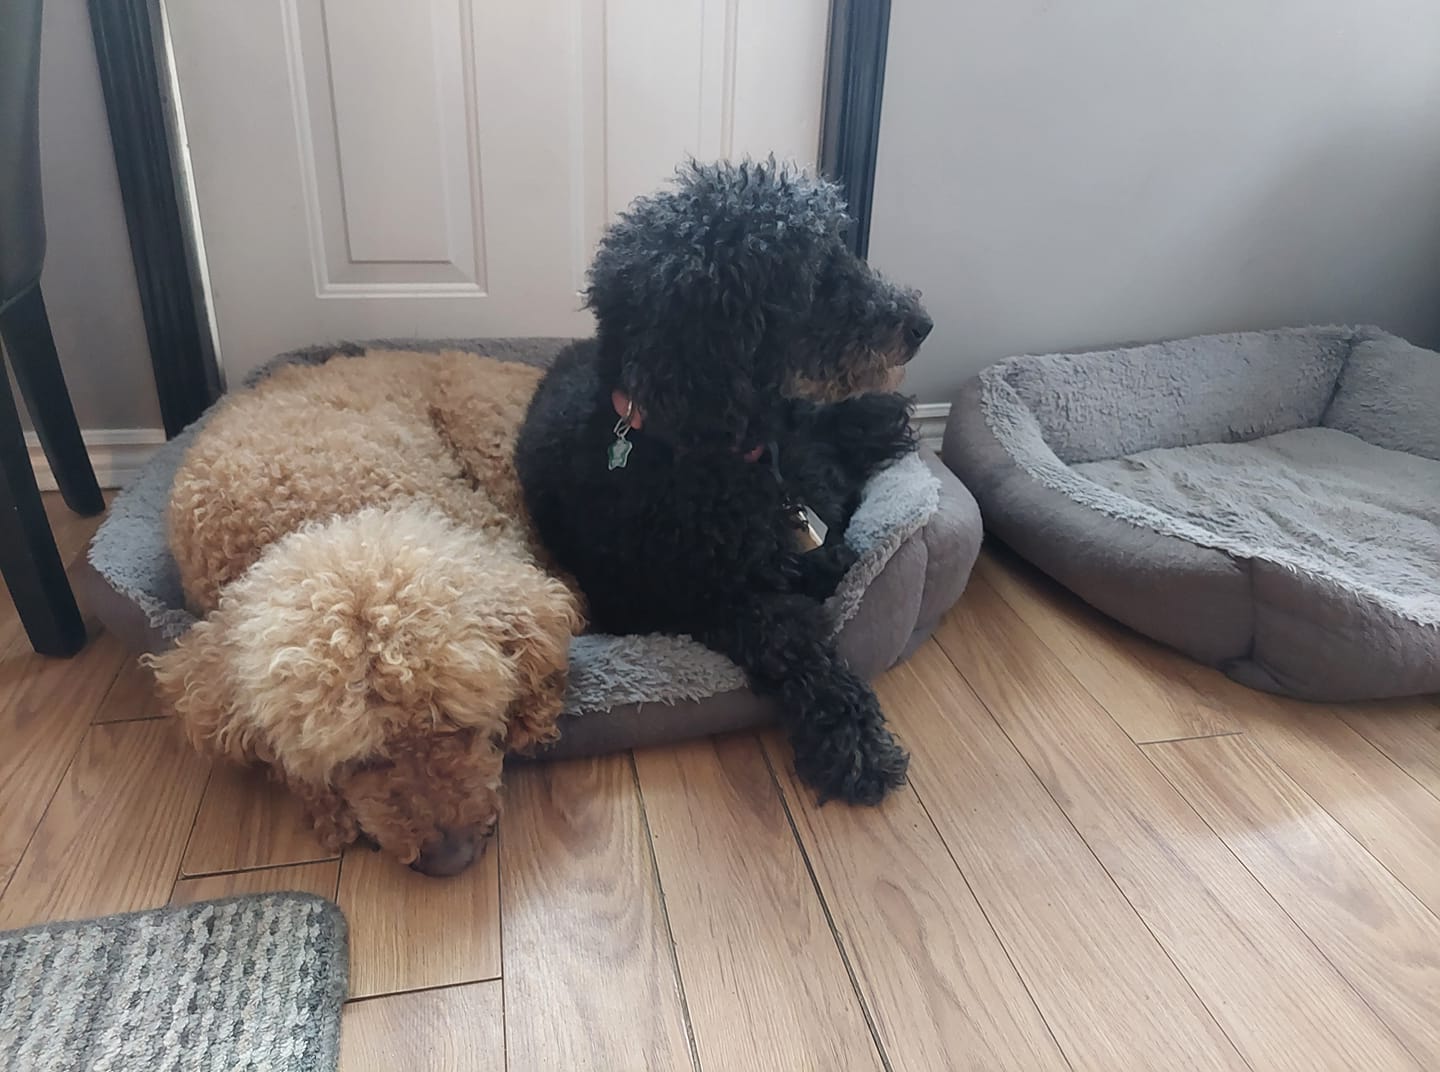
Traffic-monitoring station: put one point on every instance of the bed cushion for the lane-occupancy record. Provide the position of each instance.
(1387, 395)
(917, 532)
(1294, 543)
(1217, 389)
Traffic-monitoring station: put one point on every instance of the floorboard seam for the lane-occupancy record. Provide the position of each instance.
(825, 908)
(665, 914)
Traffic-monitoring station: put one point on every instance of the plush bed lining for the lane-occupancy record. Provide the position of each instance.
(1272, 499)
(1315, 500)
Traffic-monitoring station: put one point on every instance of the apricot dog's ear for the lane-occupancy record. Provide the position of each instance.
(536, 635)
(197, 681)
(330, 813)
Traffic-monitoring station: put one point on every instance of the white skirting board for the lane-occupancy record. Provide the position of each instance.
(116, 453)
(119, 453)
(929, 421)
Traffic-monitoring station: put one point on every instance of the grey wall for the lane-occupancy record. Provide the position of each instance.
(88, 281)
(1058, 175)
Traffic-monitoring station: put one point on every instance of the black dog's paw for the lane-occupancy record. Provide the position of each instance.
(864, 769)
(822, 570)
(868, 431)
(881, 766)
(813, 574)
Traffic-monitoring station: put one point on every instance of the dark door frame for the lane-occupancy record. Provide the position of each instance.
(850, 121)
(127, 37)
(143, 136)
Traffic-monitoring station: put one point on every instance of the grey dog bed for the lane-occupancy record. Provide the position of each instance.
(917, 533)
(1266, 502)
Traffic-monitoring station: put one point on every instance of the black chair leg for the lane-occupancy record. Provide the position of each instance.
(25, 328)
(29, 559)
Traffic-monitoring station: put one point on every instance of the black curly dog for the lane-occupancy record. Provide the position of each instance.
(750, 349)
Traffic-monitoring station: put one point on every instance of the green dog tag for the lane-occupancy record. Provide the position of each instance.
(620, 453)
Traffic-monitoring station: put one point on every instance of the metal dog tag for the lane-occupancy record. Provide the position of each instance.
(818, 528)
(620, 453)
(809, 529)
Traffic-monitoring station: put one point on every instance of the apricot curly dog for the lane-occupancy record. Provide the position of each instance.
(378, 626)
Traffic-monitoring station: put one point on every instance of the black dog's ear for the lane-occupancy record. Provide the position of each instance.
(690, 289)
(680, 331)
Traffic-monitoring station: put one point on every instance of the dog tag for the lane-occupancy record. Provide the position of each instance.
(809, 529)
(818, 528)
(620, 453)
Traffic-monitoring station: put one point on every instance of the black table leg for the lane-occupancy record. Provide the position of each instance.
(29, 559)
(25, 328)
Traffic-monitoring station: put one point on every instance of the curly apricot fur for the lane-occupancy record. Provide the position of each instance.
(378, 627)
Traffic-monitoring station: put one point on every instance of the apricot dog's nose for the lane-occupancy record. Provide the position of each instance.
(449, 854)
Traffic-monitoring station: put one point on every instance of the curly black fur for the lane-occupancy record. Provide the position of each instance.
(733, 316)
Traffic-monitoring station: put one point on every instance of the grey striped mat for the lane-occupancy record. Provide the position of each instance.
(249, 983)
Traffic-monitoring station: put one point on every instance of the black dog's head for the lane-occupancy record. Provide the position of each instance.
(733, 289)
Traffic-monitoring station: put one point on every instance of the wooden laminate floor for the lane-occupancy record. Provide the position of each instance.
(1108, 858)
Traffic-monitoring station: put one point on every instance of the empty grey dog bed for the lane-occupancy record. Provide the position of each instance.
(1266, 502)
(917, 533)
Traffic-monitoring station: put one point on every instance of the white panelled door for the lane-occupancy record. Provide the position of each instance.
(440, 168)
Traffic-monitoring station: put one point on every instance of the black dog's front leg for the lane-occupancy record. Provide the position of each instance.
(832, 450)
(858, 435)
(834, 721)
(815, 574)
